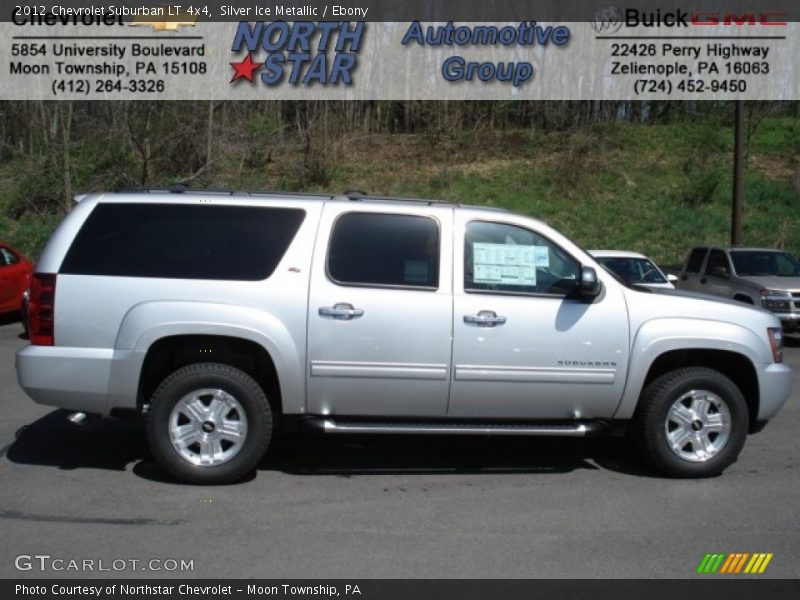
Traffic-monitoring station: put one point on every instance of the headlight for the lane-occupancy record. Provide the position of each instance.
(777, 300)
(776, 343)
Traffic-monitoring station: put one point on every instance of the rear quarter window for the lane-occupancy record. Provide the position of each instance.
(183, 241)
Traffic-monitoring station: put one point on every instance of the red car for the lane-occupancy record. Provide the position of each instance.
(15, 278)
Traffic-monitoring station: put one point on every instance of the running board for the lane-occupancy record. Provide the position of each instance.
(444, 428)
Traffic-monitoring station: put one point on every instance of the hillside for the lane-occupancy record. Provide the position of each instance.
(653, 188)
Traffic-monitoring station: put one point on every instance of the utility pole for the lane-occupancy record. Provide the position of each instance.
(738, 167)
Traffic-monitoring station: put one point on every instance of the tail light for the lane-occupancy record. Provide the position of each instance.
(41, 310)
(776, 343)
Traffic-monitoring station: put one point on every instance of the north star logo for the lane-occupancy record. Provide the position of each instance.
(300, 53)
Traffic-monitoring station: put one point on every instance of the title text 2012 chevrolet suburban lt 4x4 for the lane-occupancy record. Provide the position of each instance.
(223, 316)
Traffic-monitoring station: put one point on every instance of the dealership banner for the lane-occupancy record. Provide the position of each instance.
(260, 50)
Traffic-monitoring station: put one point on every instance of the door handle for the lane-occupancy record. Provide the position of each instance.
(342, 311)
(485, 318)
(703, 280)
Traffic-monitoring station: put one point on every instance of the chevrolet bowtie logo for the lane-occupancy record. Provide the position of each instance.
(164, 25)
(182, 19)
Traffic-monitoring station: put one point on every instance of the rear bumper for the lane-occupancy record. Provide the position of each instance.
(73, 378)
(775, 387)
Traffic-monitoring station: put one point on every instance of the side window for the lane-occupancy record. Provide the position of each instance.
(786, 266)
(183, 241)
(717, 264)
(7, 257)
(511, 259)
(695, 261)
(377, 249)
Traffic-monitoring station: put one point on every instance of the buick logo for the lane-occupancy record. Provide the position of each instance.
(607, 20)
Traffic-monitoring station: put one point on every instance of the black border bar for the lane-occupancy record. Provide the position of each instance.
(439, 10)
(700, 587)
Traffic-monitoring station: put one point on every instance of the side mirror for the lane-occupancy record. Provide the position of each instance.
(672, 278)
(589, 285)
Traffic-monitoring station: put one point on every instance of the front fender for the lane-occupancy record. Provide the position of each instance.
(659, 336)
(148, 322)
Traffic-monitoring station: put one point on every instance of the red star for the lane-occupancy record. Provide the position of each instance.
(245, 68)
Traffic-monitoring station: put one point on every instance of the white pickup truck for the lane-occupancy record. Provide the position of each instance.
(224, 316)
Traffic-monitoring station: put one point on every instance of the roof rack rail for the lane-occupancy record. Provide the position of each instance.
(180, 188)
(358, 197)
(183, 189)
(352, 195)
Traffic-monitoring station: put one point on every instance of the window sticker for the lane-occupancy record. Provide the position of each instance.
(541, 256)
(504, 264)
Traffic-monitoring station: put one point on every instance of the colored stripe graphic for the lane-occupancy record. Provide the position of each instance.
(741, 562)
(718, 562)
(711, 562)
(752, 563)
(734, 563)
(726, 566)
(702, 567)
(764, 564)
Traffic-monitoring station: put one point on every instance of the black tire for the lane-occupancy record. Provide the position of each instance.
(651, 426)
(247, 393)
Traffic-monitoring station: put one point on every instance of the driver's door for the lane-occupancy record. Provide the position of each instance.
(718, 274)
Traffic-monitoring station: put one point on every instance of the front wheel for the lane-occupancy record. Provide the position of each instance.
(692, 422)
(209, 423)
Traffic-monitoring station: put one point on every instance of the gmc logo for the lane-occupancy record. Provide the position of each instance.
(717, 18)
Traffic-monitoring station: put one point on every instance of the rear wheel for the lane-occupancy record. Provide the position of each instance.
(209, 423)
(692, 422)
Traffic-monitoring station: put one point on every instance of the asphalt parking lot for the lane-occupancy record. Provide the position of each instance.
(379, 508)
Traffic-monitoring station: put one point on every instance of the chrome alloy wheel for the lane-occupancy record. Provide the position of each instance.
(698, 425)
(207, 427)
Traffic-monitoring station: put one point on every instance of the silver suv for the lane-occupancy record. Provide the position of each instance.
(225, 317)
(760, 276)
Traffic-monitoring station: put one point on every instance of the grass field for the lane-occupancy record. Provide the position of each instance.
(656, 189)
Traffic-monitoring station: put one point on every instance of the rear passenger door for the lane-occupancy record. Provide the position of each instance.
(380, 311)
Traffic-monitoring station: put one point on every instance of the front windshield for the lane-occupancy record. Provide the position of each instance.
(764, 263)
(633, 270)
